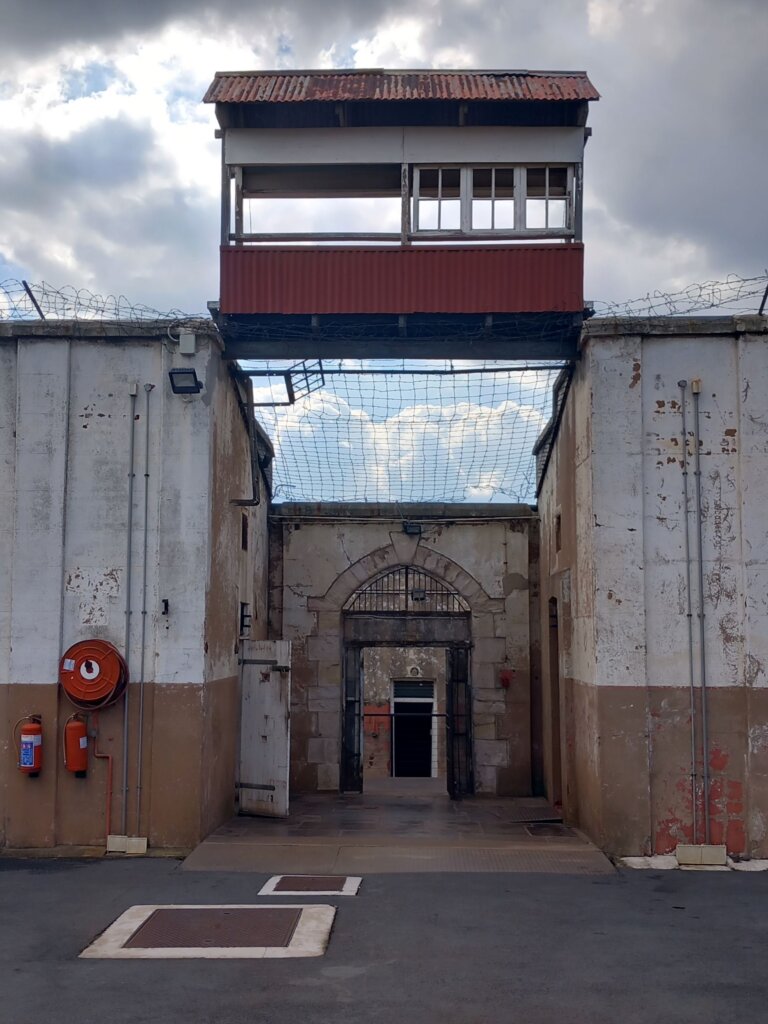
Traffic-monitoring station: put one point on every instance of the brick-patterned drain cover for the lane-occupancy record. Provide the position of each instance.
(550, 829)
(311, 883)
(181, 928)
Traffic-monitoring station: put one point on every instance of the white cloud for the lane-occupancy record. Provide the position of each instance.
(337, 445)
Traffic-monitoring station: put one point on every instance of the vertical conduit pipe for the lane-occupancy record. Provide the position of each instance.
(128, 581)
(108, 759)
(696, 391)
(148, 388)
(683, 384)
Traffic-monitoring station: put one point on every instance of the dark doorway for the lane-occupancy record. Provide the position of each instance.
(412, 739)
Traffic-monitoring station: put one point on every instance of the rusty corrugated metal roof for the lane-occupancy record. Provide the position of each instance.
(340, 86)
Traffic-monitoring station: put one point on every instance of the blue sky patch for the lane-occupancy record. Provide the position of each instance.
(90, 80)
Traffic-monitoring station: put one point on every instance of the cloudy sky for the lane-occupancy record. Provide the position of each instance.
(109, 170)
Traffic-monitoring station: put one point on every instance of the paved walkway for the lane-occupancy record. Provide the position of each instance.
(627, 947)
(400, 828)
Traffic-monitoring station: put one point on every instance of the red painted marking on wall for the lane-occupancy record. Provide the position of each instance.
(669, 833)
(718, 760)
(377, 727)
(726, 809)
(735, 798)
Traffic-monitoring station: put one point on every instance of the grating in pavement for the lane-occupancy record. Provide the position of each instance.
(550, 829)
(221, 931)
(205, 927)
(310, 883)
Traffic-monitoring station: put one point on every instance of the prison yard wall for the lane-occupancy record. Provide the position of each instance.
(616, 657)
(321, 554)
(65, 424)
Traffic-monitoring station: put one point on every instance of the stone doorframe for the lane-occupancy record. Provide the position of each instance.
(317, 670)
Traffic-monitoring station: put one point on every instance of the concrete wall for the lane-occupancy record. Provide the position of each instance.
(65, 419)
(620, 583)
(321, 554)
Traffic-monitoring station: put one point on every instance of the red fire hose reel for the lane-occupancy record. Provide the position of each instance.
(93, 674)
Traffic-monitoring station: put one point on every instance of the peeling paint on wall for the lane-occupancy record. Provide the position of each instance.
(96, 590)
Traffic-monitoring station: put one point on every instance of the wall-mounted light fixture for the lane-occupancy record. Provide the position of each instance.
(184, 381)
(412, 529)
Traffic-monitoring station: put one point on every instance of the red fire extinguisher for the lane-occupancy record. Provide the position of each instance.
(30, 745)
(76, 746)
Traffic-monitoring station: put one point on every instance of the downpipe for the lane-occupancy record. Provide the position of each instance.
(133, 390)
(683, 384)
(148, 388)
(696, 391)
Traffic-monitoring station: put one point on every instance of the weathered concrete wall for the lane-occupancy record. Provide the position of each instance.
(65, 420)
(237, 574)
(321, 554)
(620, 580)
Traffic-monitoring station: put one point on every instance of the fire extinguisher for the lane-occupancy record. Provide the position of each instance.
(30, 745)
(76, 746)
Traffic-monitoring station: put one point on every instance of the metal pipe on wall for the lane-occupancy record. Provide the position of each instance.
(683, 384)
(148, 388)
(696, 391)
(133, 390)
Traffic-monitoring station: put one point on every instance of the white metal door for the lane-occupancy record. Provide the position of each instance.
(265, 730)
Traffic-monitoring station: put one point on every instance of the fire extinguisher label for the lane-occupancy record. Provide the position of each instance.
(83, 742)
(27, 759)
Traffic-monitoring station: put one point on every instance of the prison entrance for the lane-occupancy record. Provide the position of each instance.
(407, 697)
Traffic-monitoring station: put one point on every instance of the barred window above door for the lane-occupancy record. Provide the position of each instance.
(406, 590)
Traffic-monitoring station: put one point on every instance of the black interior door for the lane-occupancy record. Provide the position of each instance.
(412, 739)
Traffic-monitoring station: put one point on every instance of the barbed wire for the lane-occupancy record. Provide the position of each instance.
(396, 430)
(735, 294)
(20, 300)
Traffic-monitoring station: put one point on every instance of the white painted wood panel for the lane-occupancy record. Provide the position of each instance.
(306, 146)
(265, 728)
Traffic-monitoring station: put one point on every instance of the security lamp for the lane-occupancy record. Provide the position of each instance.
(184, 381)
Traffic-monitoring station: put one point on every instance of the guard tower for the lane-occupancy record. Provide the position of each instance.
(445, 218)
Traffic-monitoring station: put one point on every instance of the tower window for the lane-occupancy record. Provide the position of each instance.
(509, 200)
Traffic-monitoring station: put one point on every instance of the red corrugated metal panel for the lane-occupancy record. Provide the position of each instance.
(418, 279)
(339, 86)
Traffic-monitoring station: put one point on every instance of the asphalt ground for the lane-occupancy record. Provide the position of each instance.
(620, 948)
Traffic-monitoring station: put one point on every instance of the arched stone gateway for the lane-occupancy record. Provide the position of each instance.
(408, 607)
(344, 584)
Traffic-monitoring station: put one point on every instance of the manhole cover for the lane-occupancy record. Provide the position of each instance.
(177, 928)
(542, 830)
(311, 883)
(234, 931)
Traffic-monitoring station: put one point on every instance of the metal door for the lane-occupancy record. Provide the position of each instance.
(352, 724)
(265, 727)
(459, 724)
